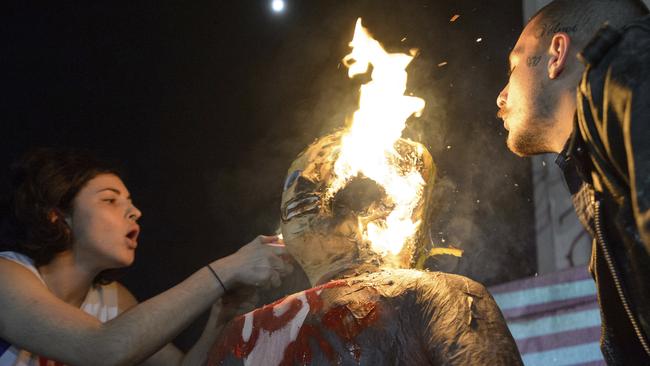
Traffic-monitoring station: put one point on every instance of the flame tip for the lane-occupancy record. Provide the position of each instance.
(367, 146)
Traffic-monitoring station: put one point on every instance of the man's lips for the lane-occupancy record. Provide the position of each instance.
(502, 114)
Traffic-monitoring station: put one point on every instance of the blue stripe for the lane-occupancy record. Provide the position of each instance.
(583, 353)
(555, 324)
(545, 294)
(4, 345)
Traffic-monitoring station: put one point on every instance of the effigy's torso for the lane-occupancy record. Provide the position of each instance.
(388, 317)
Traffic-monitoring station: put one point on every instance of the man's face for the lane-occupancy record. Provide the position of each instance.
(525, 102)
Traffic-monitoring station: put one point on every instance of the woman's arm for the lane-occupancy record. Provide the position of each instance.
(34, 319)
(220, 313)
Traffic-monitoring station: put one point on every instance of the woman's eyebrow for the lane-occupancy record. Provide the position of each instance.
(114, 190)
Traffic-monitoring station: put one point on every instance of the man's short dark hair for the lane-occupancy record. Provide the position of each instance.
(44, 181)
(582, 18)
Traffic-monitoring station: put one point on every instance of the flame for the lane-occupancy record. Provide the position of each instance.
(367, 148)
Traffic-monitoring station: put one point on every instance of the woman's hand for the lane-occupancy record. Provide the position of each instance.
(235, 303)
(258, 263)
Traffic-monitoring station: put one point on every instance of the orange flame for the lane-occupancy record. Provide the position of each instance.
(368, 147)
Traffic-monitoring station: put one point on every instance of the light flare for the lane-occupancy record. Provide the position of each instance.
(368, 147)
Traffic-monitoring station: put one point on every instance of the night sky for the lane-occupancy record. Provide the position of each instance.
(204, 105)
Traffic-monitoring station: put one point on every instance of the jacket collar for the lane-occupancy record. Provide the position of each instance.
(573, 160)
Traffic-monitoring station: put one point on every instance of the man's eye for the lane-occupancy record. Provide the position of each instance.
(109, 200)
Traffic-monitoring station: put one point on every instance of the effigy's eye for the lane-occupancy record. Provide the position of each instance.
(291, 179)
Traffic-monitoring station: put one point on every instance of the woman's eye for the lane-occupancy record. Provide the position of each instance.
(109, 200)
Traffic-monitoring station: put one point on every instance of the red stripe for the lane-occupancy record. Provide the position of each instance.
(568, 275)
(42, 361)
(594, 363)
(558, 340)
(585, 302)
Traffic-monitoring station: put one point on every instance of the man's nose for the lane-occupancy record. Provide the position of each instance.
(502, 98)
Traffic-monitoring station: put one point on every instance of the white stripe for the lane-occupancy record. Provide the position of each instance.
(565, 356)
(23, 260)
(545, 294)
(555, 324)
(247, 329)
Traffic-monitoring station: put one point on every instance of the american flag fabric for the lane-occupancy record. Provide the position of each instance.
(554, 318)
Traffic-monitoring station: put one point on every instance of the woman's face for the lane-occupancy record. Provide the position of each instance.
(104, 224)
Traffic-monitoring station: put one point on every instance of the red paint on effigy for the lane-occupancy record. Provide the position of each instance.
(347, 326)
(265, 319)
(42, 361)
(299, 351)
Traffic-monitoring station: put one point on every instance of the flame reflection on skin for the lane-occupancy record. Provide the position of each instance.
(367, 148)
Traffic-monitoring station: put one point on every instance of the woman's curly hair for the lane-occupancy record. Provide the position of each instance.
(43, 183)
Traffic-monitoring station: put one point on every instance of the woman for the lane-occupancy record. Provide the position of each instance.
(69, 220)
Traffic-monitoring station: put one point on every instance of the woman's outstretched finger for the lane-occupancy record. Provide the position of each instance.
(277, 249)
(268, 239)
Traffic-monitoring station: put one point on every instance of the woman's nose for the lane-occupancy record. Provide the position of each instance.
(134, 213)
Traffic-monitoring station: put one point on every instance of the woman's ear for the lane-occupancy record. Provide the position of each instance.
(54, 215)
(559, 54)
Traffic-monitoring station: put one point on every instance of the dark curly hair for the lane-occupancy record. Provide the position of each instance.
(43, 182)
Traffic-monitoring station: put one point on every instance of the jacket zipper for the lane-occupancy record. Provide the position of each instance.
(600, 238)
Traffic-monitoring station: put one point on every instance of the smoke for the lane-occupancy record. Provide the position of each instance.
(482, 191)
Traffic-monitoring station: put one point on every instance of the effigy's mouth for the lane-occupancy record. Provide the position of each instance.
(300, 205)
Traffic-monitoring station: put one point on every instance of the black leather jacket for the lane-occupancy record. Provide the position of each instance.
(607, 168)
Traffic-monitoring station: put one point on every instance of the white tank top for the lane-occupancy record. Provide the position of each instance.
(100, 302)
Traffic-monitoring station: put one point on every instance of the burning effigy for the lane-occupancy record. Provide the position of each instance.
(352, 210)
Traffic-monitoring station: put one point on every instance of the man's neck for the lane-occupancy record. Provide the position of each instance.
(564, 116)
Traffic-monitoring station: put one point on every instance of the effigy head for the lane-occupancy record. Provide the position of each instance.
(329, 221)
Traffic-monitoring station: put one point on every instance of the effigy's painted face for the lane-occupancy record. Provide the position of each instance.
(321, 228)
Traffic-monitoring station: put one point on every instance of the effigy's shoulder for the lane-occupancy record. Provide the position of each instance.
(390, 283)
(448, 282)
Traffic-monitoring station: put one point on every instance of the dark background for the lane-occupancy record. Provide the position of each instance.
(204, 104)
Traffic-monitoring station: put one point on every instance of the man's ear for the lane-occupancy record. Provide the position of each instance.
(559, 54)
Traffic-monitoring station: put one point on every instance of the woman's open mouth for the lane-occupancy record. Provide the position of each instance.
(132, 236)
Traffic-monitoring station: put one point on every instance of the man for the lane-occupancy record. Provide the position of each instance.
(602, 138)
(363, 310)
